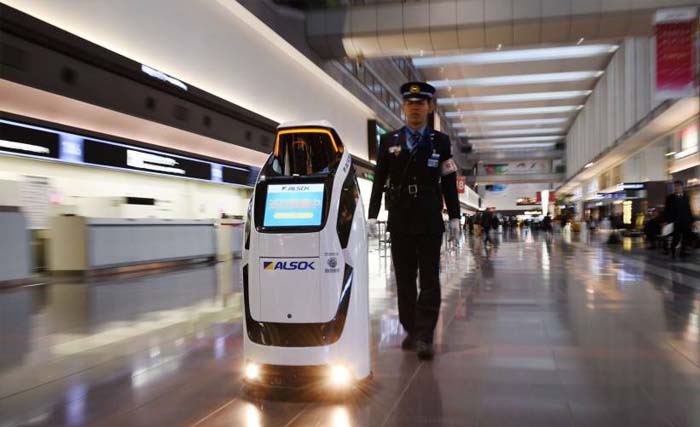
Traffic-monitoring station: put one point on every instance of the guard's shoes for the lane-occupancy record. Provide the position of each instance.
(408, 343)
(424, 350)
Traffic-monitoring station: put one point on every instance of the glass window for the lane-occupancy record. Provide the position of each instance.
(303, 153)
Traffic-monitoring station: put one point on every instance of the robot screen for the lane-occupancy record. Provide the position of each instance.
(305, 152)
(294, 205)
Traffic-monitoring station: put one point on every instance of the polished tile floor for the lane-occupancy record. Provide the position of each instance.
(534, 331)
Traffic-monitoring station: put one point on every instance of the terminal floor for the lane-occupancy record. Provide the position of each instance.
(534, 331)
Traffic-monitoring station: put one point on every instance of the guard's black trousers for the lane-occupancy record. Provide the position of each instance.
(682, 234)
(418, 313)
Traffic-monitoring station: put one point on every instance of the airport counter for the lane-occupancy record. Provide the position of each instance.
(81, 244)
(230, 234)
(15, 253)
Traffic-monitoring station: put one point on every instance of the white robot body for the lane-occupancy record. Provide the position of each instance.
(305, 261)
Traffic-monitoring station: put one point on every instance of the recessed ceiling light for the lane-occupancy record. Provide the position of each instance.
(505, 123)
(515, 111)
(520, 55)
(588, 165)
(519, 79)
(530, 131)
(515, 97)
(513, 146)
(517, 139)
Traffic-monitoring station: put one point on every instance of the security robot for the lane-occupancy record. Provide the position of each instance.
(305, 277)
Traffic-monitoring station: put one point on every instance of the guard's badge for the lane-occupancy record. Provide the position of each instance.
(395, 150)
(414, 89)
(448, 166)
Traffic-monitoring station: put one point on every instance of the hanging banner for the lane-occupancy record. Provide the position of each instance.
(461, 182)
(516, 168)
(675, 52)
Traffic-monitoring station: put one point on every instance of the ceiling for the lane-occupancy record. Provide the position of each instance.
(502, 100)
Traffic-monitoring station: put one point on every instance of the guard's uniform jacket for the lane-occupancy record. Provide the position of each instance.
(416, 182)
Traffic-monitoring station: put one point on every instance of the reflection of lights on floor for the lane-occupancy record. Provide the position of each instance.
(75, 408)
(623, 276)
(341, 417)
(154, 352)
(148, 374)
(253, 417)
(220, 347)
(627, 244)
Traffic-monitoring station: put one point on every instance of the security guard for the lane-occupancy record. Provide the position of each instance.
(416, 170)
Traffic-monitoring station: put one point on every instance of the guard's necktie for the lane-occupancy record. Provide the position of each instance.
(413, 140)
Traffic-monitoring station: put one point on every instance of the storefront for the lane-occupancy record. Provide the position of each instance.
(626, 204)
(684, 163)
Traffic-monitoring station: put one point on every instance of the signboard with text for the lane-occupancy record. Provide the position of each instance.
(25, 140)
(461, 182)
(675, 52)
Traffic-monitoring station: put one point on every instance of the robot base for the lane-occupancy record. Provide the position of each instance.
(310, 382)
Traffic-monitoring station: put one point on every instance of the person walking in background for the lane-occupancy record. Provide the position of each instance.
(678, 213)
(652, 228)
(547, 224)
(486, 223)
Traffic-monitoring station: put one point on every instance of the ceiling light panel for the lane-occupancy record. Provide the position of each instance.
(515, 97)
(518, 79)
(529, 131)
(514, 146)
(506, 123)
(521, 55)
(518, 139)
(514, 111)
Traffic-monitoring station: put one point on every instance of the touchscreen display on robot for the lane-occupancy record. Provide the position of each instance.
(293, 205)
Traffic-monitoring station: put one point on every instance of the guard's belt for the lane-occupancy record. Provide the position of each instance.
(415, 189)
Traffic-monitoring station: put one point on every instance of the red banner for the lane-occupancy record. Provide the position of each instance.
(675, 52)
(461, 182)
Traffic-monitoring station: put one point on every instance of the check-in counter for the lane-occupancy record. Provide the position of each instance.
(15, 253)
(230, 239)
(80, 243)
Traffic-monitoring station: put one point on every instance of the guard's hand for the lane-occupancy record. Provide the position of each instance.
(454, 229)
(372, 227)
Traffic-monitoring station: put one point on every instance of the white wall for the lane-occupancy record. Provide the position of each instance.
(91, 191)
(505, 200)
(218, 46)
(621, 98)
(649, 164)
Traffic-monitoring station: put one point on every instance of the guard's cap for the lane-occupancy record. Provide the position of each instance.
(415, 91)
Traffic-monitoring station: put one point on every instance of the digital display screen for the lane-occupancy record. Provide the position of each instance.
(28, 141)
(294, 205)
(33, 141)
(241, 176)
(100, 153)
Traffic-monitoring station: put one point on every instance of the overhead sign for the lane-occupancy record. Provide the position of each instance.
(21, 139)
(517, 168)
(630, 186)
(461, 183)
(551, 197)
(120, 156)
(675, 52)
(527, 201)
(28, 141)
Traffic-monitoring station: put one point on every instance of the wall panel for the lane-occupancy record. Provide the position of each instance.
(622, 97)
